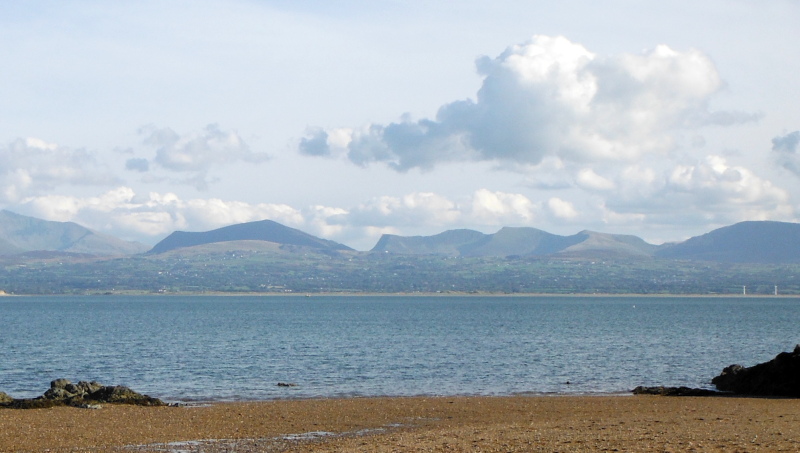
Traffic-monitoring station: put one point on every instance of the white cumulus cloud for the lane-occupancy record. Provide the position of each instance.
(709, 191)
(550, 97)
(561, 209)
(718, 184)
(589, 180)
(499, 208)
(411, 209)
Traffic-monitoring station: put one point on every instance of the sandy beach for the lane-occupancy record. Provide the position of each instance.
(452, 424)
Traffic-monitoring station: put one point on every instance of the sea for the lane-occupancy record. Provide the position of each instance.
(241, 348)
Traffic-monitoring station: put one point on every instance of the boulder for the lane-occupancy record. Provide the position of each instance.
(778, 377)
(119, 394)
(60, 384)
(4, 398)
(89, 387)
(63, 389)
(57, 393)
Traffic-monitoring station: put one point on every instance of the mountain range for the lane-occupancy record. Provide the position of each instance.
(516, 241)
(745, 242)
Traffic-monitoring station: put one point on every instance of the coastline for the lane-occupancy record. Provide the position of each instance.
(516, 423)
(410, 294)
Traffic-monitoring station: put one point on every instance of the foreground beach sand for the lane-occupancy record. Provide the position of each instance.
(441, 424)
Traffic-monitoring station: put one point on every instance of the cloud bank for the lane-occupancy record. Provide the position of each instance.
(155, 215)
(30, 167)
(709, 191)
(550, 97)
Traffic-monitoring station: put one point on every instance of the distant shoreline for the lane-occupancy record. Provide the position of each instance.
(404, 294)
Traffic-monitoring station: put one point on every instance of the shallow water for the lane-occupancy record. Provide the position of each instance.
(239, 348)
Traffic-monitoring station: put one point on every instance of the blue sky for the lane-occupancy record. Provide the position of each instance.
(353, 119)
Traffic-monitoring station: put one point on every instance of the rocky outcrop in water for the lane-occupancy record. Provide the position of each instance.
(62, 392)
(778, 377)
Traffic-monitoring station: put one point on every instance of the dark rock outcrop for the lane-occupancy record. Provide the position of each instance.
(778, 377)
(674, 391)
(83, 394)
(119, 394)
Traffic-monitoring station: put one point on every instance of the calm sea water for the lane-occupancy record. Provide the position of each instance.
(239, 348)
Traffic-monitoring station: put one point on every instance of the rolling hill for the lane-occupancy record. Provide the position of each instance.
(263, 230)
(20, 234)
(609, 245)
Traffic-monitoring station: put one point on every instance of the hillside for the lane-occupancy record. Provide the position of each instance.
(20, 234)
(745, 242)
(451, 243)
(264, 230)
(521, 241)
(609, 245)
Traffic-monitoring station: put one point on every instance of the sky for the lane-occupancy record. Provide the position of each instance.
(353, 119)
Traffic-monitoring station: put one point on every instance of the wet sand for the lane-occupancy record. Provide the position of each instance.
(441, 424)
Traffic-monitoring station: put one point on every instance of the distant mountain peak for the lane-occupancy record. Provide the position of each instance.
(744, 242)
(20, 234)
(262, 230)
